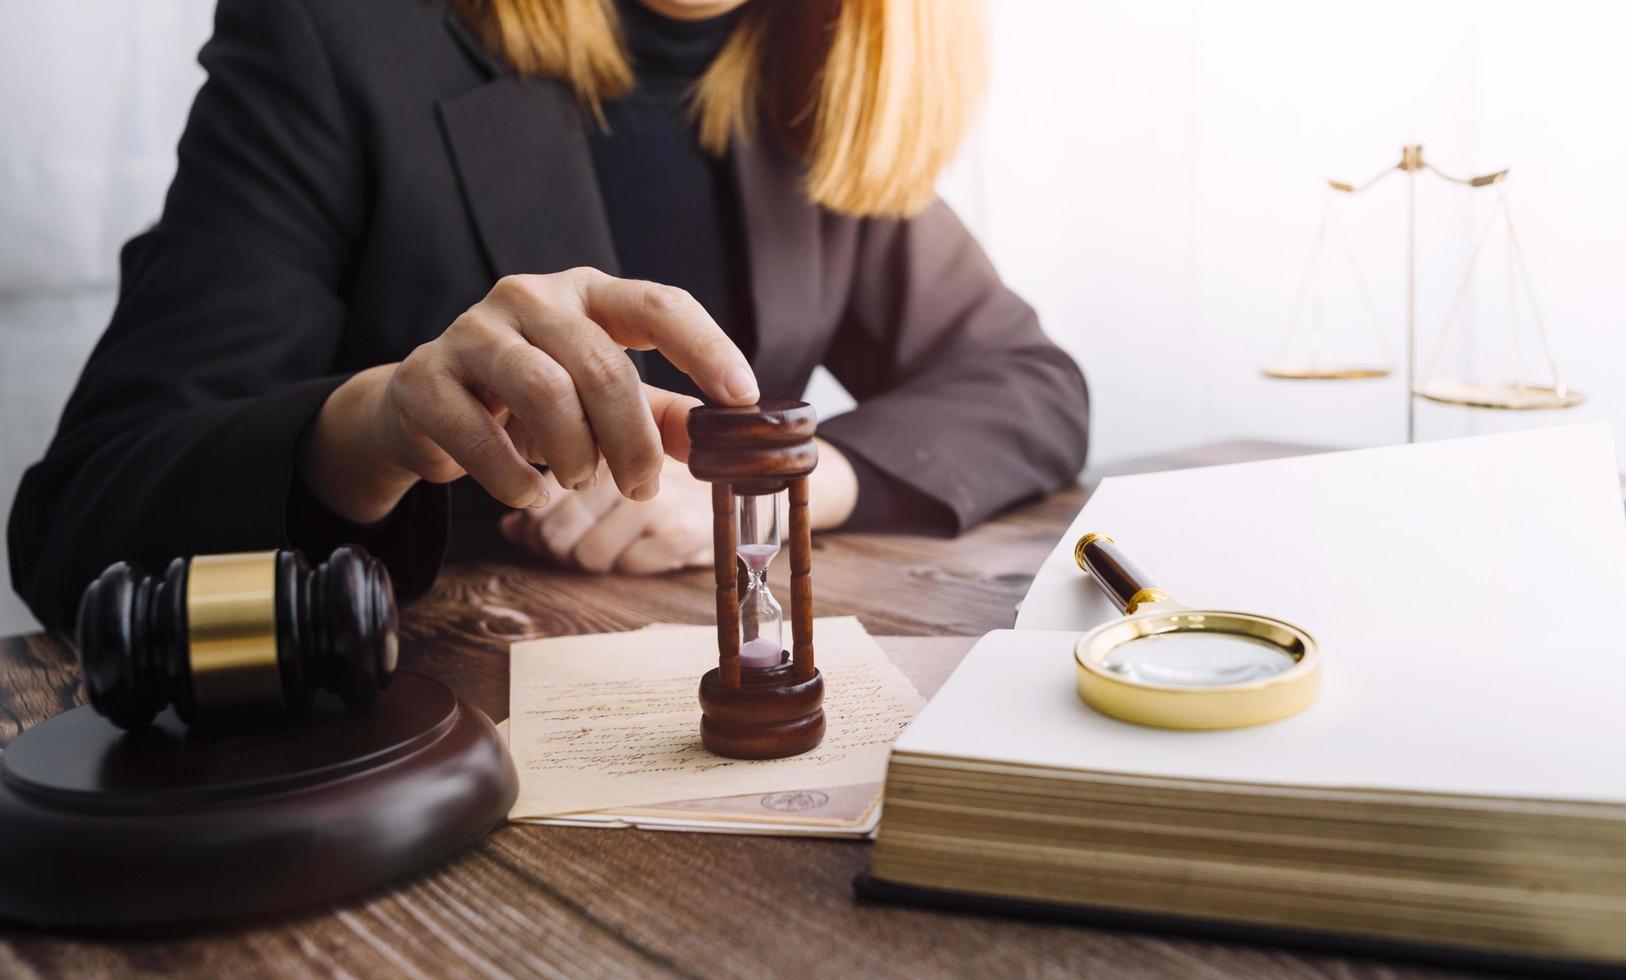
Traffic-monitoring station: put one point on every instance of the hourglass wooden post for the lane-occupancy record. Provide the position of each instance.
(761, 701)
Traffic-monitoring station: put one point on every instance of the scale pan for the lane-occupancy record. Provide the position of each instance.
(1490, 394)
(1325, 373)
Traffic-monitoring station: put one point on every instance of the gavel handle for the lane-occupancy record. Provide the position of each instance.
(1127, 586)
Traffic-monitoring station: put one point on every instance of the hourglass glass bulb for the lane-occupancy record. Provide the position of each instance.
(761, 618)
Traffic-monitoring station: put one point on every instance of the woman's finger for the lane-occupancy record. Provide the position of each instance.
(548, 313)
(435, 402)
(537, 533)
(572, 518)
(599, 548)
(671, 413)
(520, 526)
(650, 555)
(644, 315)
(583, 320)
(654, 554)
(541, 396)
(611, 394)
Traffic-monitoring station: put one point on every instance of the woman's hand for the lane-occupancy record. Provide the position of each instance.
(601, 531)
(535, 372)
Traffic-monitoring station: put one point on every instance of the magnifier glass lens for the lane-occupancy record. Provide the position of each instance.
(1197, 659)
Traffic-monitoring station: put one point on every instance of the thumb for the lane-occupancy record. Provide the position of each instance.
(671, 412)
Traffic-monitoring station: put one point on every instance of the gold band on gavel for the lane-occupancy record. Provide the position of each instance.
(231, 616)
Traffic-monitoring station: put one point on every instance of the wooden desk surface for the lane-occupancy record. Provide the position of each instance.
(550, 901)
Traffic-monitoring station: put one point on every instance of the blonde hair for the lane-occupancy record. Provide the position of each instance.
(875, 99)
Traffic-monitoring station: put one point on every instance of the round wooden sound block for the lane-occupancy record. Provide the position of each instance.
(172, 825)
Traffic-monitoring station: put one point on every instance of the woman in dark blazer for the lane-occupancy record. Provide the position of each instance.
(408, 244)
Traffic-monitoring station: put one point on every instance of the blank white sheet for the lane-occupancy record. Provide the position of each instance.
(1517, 540)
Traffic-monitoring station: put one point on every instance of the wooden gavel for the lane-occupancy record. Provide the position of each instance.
(219, 635)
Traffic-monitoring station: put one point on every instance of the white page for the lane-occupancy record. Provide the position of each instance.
(1500, 721)
(1516, 540)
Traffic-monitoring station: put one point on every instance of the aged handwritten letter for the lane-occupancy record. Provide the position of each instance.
(612, 720)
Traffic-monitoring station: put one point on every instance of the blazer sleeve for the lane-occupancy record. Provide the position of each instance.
(180, 436)
(961, 396)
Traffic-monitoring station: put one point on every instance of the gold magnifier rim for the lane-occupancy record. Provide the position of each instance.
(1255, 702)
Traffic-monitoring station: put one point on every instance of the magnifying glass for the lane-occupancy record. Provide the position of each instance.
(1169, 666)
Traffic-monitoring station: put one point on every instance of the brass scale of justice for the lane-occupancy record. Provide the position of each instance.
(1519, 394)
(1167, 665)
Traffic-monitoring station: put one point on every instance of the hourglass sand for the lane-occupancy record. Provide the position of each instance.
(761, 701)
(756, 525)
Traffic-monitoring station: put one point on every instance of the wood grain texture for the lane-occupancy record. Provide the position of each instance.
(567, 902)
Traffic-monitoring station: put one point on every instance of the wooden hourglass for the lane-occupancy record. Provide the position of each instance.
(760, 702)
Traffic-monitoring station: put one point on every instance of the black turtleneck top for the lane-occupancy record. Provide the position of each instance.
(673, 209)
(674, 215)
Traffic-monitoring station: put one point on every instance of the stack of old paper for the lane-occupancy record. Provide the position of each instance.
(605, 732)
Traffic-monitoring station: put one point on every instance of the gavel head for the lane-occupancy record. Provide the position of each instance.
(219, 635)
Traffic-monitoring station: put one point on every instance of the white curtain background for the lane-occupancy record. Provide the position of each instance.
(93, 95)
(1148, 174)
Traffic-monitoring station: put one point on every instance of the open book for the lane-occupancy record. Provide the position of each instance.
(1458, 787)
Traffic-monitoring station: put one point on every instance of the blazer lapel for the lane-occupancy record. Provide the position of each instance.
(782, 240)
(521, 153)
